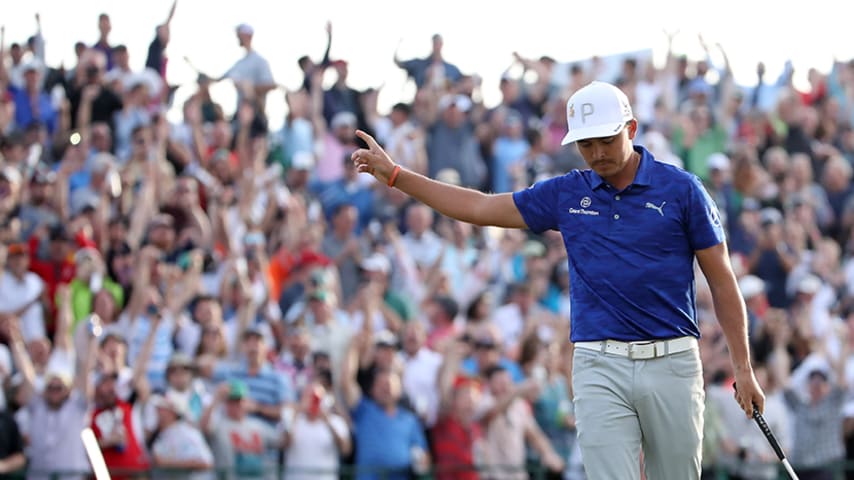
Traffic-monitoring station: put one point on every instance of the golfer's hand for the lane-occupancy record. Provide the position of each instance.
(748, 393)
(373, 160)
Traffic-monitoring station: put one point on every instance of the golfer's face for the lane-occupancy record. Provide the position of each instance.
(604, 155)
(608, 156)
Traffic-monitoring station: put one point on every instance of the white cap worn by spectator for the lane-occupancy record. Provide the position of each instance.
(462, 102)
(449, 175)
(170, 401)
(809, 285)
(376, 262)
(344, 119)
(770, 215)
(597, 110)
(245, 29)
(751, 286)
(385, 338)
(718, 161)
(32, 65)
(302, 161)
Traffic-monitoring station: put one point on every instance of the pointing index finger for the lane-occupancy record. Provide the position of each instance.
(372, 144)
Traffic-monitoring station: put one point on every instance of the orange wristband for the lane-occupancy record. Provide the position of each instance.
(393, 177)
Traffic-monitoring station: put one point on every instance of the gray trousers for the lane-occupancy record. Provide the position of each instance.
(622, 405)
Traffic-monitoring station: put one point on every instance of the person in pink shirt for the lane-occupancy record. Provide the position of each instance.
(441, 312)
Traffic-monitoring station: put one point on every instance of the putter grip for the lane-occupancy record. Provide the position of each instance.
(763, 425)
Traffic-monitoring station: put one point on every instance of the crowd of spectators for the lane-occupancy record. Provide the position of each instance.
(212, 296)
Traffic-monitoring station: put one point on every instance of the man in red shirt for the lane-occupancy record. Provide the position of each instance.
(113, 424)
(58, 267)
(457, 434)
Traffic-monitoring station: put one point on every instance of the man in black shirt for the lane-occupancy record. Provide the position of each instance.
(12, 457)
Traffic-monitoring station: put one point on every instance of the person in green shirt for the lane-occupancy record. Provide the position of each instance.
(698, 137)
(88, 280)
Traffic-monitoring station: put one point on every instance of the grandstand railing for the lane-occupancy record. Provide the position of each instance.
(535, 472)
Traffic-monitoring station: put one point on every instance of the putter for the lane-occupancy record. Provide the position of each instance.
(96, 458)
(766, 430)
(772, 440)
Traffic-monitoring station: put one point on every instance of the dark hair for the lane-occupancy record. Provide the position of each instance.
(401, 107)
(533, 135)
(324, 376)
(448, 305)
(339, 207)
(120, 49)
(493, 370)
(122, 220)
(471, 311)
(529, 349)
(137, 129)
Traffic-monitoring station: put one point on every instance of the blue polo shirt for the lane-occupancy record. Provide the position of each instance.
(384, 442)
(631, 252)
(267, 387)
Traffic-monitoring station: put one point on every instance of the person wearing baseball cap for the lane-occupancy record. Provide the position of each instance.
(598, 110)
(633, 228)
(179, 444)
(251, 75)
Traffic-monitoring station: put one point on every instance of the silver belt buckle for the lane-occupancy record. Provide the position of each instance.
(633, 349)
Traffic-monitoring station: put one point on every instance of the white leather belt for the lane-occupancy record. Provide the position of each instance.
(641, 350)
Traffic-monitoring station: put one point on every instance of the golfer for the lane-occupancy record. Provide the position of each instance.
(632, 227)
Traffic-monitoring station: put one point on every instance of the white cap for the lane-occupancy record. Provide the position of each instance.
(376, 263)
(344, 119)
(302, 160)
(718, 161)
(245, 29)
(462, 102)
(101, 162)
(32, 65)
(810, 284)
(170, 401)
(770, 215)
(385, 337)
(449, 175)
(751, 286)
(597, 110)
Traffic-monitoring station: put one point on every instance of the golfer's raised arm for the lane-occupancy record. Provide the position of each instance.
(463, 204)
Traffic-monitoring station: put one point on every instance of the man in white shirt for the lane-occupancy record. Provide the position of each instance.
(179, 445)
(420, 240)
(420, 372)
(251, 74)
(315, 437)
(21, 290)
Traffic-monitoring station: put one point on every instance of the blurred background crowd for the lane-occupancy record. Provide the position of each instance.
(221, 299)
